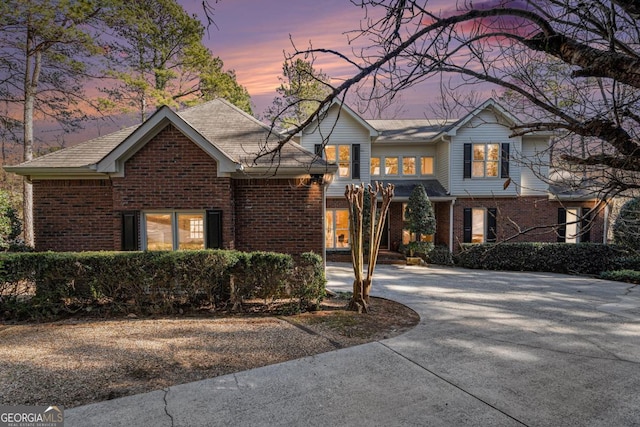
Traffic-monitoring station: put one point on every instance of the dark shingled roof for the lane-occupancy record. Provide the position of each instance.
(404, 188)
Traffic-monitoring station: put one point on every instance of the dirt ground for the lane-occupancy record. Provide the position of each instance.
(78, 361)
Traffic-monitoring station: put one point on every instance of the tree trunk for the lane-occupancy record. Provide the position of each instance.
(33, 64)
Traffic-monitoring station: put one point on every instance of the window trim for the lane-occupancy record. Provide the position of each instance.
(417, 166)
(502, 160)
(489, 222)
(583, 223)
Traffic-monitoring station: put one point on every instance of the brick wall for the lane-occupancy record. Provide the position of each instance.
(278, 214)
(73, 215)
(536, 214)
(171, 172)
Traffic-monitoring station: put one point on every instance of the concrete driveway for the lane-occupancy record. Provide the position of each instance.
(491, 349)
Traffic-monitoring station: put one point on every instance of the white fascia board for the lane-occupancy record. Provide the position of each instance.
(113, 163)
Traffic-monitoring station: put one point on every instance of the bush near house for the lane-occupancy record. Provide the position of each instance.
(47, 285)
(629, 276)
(567, 258)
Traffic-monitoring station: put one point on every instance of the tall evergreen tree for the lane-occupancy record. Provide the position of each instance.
(419, 213)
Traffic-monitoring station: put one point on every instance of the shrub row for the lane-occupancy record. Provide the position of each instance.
(48, 284)
(580, 258)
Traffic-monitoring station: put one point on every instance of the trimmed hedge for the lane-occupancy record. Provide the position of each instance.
(567, 258)
(629, 276)
(51, 284)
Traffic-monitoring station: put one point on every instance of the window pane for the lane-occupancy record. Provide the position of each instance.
(375, 166)
(426, 166)
(190, 231)
(478, 151)
(391, 166)
(159, 232)
(478, 169)
(408, 165)
(477, 226)
(493, 152)
(572, 229)
(330, 153)
(342, 228)
(492, 169)
(344, 153)
(329, 233)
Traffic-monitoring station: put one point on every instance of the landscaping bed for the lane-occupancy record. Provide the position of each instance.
(77, 361)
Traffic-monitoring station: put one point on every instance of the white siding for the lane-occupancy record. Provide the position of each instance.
(343, 130)
(484, 128)
(442, 164)
(534, 162)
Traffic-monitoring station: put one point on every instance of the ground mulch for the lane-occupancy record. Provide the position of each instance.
(77, 361)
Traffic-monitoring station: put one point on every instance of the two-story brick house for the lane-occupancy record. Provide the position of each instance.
(484, 184)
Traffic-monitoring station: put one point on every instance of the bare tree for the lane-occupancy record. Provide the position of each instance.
(565, 67)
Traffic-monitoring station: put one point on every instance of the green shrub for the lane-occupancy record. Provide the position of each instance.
(48, 284)
(440, 255)
(629, 276)
(308, 281)
(580, 258)
(626, 228)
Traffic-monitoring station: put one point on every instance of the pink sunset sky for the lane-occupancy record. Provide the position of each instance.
(251, 36)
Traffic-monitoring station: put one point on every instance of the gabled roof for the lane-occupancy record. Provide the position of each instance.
(411, 130)
(509, 118)
(226, 133)
(345, 109)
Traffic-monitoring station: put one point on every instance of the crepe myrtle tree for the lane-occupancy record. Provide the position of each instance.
(564, 67)
(356, 196)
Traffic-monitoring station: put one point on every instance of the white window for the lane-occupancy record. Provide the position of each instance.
(340, 154)
(165, 231)
(337, 229)
(478, 226)
(408, 166)
(375, 166)
(486, 161)
(426, 165)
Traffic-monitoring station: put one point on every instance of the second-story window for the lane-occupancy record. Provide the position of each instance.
(341, 155)
(408, 166)
(391, 165)
(486, 158)
(375, 166)
(426, 165)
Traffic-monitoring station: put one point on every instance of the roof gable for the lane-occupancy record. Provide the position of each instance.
(344, 109)
(113, 163)
(508, 118)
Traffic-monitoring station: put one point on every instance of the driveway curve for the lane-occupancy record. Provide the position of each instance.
(491, 349)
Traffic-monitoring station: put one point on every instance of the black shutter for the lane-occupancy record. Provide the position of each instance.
(504, 160)
(562, 224)
(214, 230)
(492, 214)
(317, 148)
(130, 236)
(466, 225)
(467, 161)
(585, 225)
(355, 161)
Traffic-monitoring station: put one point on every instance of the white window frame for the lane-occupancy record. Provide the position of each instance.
(433, 165)
(334, 246)
(175, 237)
(485, 161)
(341, 169)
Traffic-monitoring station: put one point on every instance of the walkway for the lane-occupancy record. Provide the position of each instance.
(491, 349)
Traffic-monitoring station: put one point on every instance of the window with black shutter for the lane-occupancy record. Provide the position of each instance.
(562, 224)
(466, 225)
(492, 214)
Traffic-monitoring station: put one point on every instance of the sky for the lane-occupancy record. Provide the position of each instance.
(251, 36)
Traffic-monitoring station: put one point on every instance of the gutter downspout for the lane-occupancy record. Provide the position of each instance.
(605, 227)
(453, 202)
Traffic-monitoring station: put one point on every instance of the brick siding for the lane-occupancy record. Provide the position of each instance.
(172, 173)
(279, 214)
